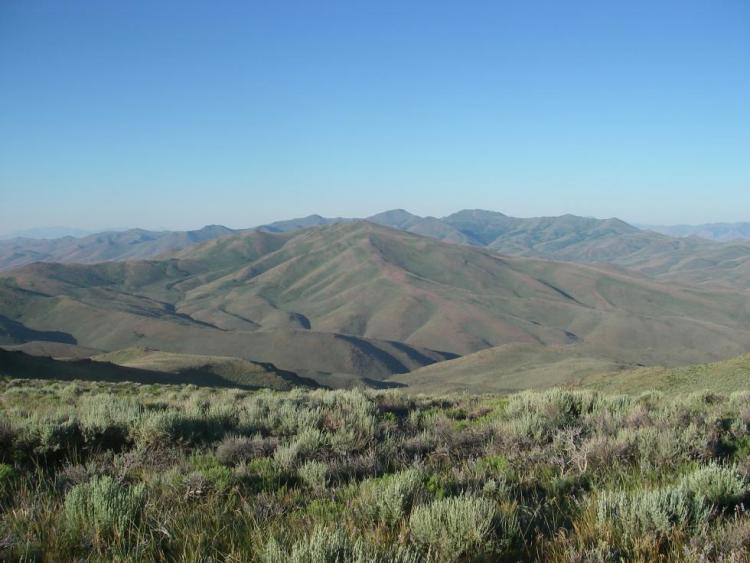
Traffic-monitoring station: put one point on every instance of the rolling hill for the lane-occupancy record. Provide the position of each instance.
(361, 299)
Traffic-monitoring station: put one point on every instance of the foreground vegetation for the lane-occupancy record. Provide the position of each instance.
(108, 472)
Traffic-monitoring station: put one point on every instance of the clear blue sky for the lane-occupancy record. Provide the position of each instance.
(161, 114)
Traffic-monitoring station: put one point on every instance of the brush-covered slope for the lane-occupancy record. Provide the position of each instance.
(153, 368)
(359, 298)
(720, 377)
(115, 245)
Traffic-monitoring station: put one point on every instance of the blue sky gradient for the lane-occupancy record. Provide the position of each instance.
(180, 114)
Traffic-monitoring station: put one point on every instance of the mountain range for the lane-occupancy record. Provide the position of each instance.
(570, 238)
(376, 302)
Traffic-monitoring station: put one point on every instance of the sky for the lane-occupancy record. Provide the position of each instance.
(180, 114)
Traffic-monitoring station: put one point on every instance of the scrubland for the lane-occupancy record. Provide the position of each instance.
(128, 472)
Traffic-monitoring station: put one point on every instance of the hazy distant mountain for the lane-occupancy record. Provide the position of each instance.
(569, 238)
(301, 223)
(47, 232)
(363, 299)
(100, 247)
(711, 231)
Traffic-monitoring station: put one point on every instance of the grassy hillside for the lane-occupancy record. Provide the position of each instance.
(512, 368)
(124, 472)
(720, 377)
(358, 298)
(509, 368)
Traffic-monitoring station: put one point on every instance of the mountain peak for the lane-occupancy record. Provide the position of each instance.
(396, 218)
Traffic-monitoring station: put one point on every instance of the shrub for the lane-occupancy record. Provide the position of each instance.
(388, 499)
(355, 467)
(103, 508)
(721, 486)
(453, 527)
(55, 435)
(336, 546)
(7, 438)
(654, 512)
(286, 456)
(314, 474)
(690, 504)
(303, 445)
(235, 449)
(171, 426)
(107, 420)
(6, 475)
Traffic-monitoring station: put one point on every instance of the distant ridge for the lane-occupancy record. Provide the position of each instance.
(724, 232)
(102, 247)
(570, 238)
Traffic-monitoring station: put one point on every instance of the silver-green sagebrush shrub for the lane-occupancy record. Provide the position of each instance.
(103, 508)
(388, 499)
(314, 474)
(334, 546)
(452, 528)
(720, 485)
(49, 433)
(690, 504)
(652, 512)
(101, 413)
